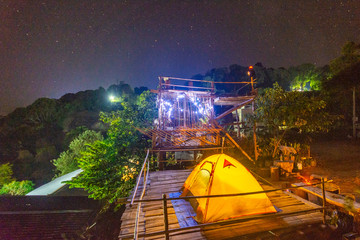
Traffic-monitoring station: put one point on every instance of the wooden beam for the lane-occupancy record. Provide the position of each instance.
(234, 108)
(182, 149)
(231, 100)
(238, 146)
(206, 81)
(190, 87)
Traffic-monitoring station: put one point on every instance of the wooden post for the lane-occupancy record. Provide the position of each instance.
(167, 82)
(222, 144)
(252, 84)
(238, 122)
(161, 159)
(166, 222)
(354, 115)
(160, 108)
(145, 173)
(185, 110)
(152, 160)
(238, 146)
(254, 134)
(324, 199)
(275, 173)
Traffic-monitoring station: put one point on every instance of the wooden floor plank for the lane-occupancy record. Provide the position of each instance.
(165, 182)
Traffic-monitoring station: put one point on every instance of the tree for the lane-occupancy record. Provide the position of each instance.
(72, 134)
(350, 54)
(107, 173)
(110, 166)
(282, 111)
(306, 77)
(341, 86)
(68, 160)
(43, 111)
(347, 82)
(8, 185)
(346, 78)
(264, 76)
(17, 188)
(5, 174)
(140, 90)
(122, 91)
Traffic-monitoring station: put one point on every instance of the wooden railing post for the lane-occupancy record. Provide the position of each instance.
(324, 199)
(139, 178)
(166, 221)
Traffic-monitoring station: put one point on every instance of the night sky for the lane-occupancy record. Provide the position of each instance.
(50, 48)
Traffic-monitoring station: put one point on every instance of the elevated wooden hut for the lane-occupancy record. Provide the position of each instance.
(186, 117)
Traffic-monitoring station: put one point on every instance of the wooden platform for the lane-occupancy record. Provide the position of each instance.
(331, 198)
(152, 220)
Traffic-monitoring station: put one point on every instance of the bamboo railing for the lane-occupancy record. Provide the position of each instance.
(146, 174)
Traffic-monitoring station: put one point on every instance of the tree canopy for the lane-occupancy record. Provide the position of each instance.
(5, 174)
(350, 55)
(9, 186)
(17, 188)
(110, 166)
(281, 111)
(344, 79)
(68, 160)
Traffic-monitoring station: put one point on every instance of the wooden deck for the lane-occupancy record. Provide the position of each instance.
(152, 220)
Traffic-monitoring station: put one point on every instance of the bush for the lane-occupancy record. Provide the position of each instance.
(68, 160)
(5, 174)
(17, 188)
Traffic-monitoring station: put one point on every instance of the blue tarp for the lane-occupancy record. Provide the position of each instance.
(183, 210)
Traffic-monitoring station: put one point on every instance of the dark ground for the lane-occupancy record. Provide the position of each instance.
(339, 160)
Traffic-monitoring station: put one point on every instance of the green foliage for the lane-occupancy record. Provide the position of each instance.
(110, 165)
(146, 105)
(282, 111)
(345, 77)
(44, 123)
(72, 134)
(277, 108)
(16, 117)
(89, 100)
(266, 77)
(350, 54)
(306, 77)
(107, 173)
(68, 160)
(121, 92)
(8, 185)
(43, 154)
(5, 174)
(43, 111)
(17, 188)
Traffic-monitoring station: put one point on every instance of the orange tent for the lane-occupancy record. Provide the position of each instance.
(221, 174)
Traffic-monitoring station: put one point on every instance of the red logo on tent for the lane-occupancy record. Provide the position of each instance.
(227, 163)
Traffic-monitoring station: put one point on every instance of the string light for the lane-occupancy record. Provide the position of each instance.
(202, 107)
